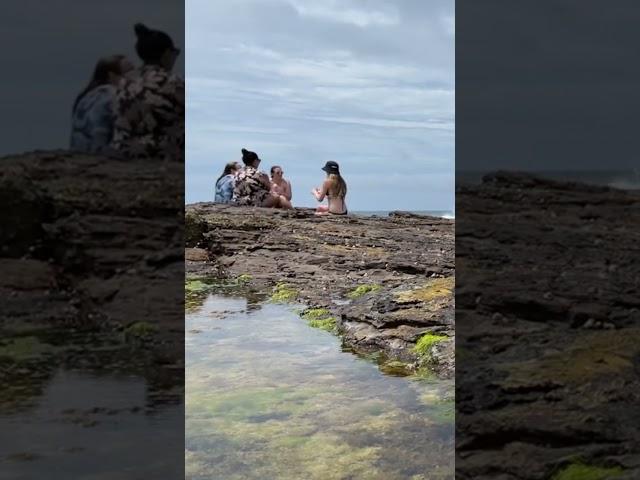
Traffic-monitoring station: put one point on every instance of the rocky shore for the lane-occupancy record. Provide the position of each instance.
(548, 344)
(92, 269)
(386, 283)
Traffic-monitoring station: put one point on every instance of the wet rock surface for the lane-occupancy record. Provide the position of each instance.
(548, 344)
(388, 281)
(92, 264)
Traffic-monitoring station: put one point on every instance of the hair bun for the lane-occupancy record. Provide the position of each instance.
(244, 151)
(141, 29)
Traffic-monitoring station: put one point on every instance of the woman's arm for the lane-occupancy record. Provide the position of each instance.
(320, 194)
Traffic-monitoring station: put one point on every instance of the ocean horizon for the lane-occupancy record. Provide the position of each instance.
(621, 179)
(385, 213)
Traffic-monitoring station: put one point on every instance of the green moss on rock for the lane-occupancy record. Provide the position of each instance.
(327, 324)
(395, 368)
(361, 290)
(315, 313)
(319, 318)
(581, 471)
(283, 293)
(140, 330)
(196, 286)
(432, 290)
(426, 342)
(24, 348)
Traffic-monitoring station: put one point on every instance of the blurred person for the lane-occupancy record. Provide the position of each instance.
(150, 104)
(92, 117)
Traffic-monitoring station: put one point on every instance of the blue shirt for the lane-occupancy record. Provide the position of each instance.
(224, 189)
(92, 120)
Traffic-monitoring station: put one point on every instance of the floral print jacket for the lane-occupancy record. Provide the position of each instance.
(249, 190)
(149, 111)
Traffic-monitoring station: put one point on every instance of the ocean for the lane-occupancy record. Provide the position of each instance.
(622, 179)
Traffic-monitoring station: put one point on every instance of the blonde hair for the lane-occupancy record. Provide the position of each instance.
(337, 186)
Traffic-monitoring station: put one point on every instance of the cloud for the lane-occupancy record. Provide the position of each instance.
(342, 12)
(358, 81)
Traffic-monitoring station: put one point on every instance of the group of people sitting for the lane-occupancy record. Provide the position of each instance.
(138, 112)
(248, 186)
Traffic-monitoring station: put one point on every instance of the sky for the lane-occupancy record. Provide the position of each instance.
(547, 85)
(367, 83)
(50, 51)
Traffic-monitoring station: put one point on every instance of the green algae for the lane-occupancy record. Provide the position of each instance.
(444, 411)
(319, 318)
(433, 290)
(361, 290)
(283, 293)
(426, 342)
(395, 368)
(140, 330)
(242, 405)
(326, 324)
(196, 286)
(315, 313)
(24, 348)
(424, 374)
(581, 471)
(244, 279)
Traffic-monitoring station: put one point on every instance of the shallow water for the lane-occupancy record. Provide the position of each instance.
(91, 426)
(268, 397)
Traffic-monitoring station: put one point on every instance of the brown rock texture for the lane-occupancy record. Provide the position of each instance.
(405, 261)
(91, 247)
(548, 344)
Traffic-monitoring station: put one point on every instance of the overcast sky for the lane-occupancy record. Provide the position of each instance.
(547, 85)
(50, 51)
(367, 83)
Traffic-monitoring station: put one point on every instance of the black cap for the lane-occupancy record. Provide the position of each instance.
(331, 167)
(249, 157)
(152, 44)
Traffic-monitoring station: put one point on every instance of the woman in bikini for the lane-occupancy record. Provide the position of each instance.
(335, 189)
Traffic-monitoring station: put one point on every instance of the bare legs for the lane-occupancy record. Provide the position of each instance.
(322, 210)
(276, 201)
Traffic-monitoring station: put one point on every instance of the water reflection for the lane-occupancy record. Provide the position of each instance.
(91, 426)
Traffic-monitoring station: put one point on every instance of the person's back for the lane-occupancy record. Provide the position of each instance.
(336, 195)
(150, 113)
(92, 120)
(92, 115)
(335, 189)
(150, 104)
(249, 189)
(226, 183)
(224, 189)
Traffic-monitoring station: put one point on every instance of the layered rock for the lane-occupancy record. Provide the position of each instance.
(388, 280)
(548, 343)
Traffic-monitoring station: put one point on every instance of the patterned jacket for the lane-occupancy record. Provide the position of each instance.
(150, 113)
(249, 190)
